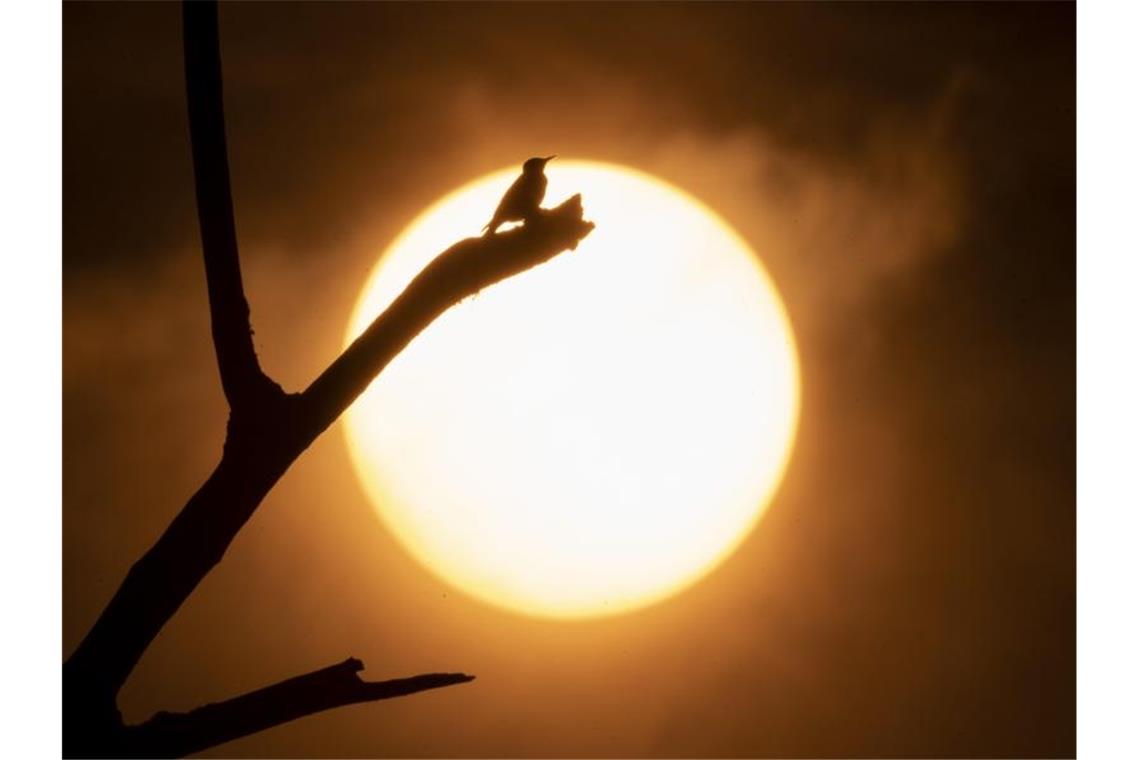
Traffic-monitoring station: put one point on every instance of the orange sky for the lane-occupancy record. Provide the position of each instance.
(906, 174)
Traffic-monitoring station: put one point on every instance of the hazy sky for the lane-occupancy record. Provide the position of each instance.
(907, 174)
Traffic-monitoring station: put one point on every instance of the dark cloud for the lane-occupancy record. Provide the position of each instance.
(907, 173)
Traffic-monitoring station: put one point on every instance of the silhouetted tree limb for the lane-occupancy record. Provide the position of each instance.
(242, 377)
(177, 734)
(462, 270)
(267, 430)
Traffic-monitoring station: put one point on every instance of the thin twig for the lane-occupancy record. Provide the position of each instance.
(177, 734)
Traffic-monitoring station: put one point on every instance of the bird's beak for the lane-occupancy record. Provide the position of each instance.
(549, 157)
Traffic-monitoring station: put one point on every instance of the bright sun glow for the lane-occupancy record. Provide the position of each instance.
(597, 433)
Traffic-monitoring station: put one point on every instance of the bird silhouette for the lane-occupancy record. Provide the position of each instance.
(522, 199)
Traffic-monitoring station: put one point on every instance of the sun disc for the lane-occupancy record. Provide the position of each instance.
(597, 433)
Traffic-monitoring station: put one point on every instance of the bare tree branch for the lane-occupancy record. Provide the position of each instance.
(178, 734)
(161, 580)
(241, 374)
(461, 271)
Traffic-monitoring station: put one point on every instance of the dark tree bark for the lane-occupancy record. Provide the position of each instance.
(241, 375)
(177, 734)
(267, 430)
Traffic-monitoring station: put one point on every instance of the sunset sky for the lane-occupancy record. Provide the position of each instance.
(906, 174)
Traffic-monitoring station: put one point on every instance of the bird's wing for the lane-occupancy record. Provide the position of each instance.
(498, 212)
(511, 197)
(503, 211)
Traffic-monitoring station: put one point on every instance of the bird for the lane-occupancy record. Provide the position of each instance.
(522, 199)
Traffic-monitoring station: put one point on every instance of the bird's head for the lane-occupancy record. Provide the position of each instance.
(536, 164)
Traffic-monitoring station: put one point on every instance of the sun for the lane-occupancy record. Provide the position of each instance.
(593, 435)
